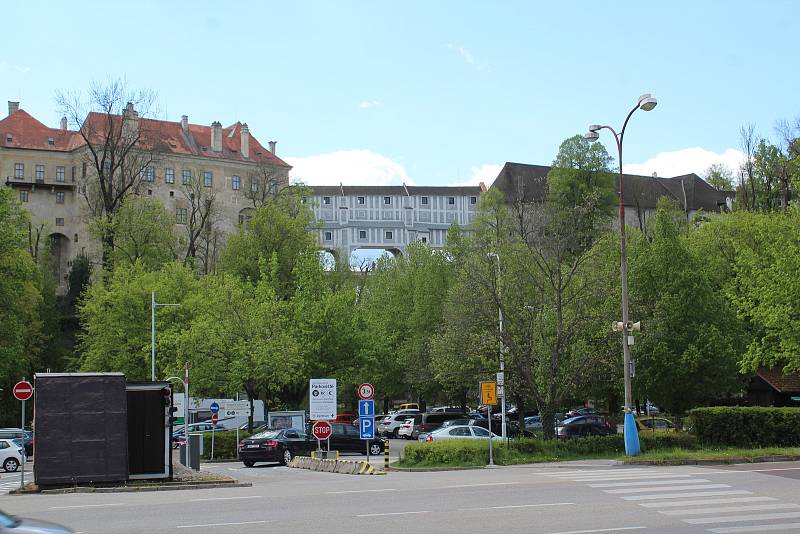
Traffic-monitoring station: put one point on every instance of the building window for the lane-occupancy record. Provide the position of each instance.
(473, 200)
(83, 170)
(186, 176)
(328, 236)
(149, 174)
(19, 170)
(59, 197)
(107, 168)
(424, 239)
(236, 182)
(73, 172)
(59, 221)
(149, 192)
(51, 141)
(9, 139)
(362, 234)
(388, 234)
(254, 184)
(362, 200)
(424, 201)
(75, 238)
(23, 195)
(180, 216)
(169, 175)
(60, 171)
(451, 201)
(326, 200)
(171, 194)
(387, 200)
(40, 172)
(208, 178)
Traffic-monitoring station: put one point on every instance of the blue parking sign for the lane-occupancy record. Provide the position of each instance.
(366, 426)
(366, 408)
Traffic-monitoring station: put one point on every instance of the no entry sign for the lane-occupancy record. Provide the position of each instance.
(321, 430)
(23, 390)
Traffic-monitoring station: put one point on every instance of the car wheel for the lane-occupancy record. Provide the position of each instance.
(396, 433)
(10, 465)
(375, 449)
(249, 463)
(287, 457)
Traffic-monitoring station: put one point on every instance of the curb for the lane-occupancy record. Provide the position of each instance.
(437, 469)
(725, 461)
(137, 489)
(345, 467)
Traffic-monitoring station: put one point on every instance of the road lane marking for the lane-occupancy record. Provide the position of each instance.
(479, 485)
(625, 477)
(517, 506)
(225, 524)
(85, 506)
(594, 471)
(646, 482)
(360, 491)
(735, 518)
(726, 509)
(703, 502)
(755, 528)
(665, 488)
(689, 494)
(226, 498)
(395, 513)
(617, 529)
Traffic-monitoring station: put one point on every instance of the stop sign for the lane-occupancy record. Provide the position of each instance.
(23, 390)
(321, 430)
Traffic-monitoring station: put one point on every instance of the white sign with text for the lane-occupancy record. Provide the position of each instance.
(322, 399)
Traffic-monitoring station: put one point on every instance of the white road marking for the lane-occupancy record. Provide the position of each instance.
(360, 491)
(734, 518)
(666, 488)
(478, 485)
(702, 502)
(395, 513)
(85, 506)
(225, 524)
(755, 528)
(646, 482)
(599, 530)
(593, 471)
(517, 506)
(625, 477)
(689, 494)
(226, 498)
(726, 509)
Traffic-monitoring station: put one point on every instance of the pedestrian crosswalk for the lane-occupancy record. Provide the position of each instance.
(714, 506)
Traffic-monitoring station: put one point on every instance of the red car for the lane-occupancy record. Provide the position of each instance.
(344, 418)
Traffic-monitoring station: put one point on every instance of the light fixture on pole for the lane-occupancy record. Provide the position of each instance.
(646, 103)
(501, 375)
(153, 306)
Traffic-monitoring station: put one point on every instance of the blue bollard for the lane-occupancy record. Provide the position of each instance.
(631, 436)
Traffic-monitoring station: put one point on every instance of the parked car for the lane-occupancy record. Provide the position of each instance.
(391, 423)
(459, 432)
(406, 429)
(10, 524)
(275, 446)
(654, 424)
(447, 409)
(256, 426)
(427, 422)
(197, 427)
(344, 418)
(18, 433)
(581, 411)
(409, 406)
(10, 455)
(512, 429)
(533, 422)
(346, 438)
(584, 425)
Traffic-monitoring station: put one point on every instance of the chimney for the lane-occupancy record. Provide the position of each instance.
(185, 124)
(216, 136)
(245, 141)
(272, 146)
(655, 175)
(130, 121)
(12, 107)
(63, 123)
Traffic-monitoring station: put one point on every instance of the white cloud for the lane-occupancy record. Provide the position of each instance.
(486, 173)
(349, 167)
(366, 104)
(465, 54)
(6, 66)
(685, 161)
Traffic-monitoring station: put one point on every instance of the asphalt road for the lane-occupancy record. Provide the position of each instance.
(587, 497)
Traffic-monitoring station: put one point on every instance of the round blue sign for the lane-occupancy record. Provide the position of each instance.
(214, 407)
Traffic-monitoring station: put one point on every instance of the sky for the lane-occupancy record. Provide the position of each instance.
(427, 93)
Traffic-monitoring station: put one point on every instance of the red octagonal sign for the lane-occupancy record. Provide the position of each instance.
(23, 390)
(321, 430)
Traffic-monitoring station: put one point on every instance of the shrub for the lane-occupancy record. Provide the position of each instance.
(747, 426)
(225, 445)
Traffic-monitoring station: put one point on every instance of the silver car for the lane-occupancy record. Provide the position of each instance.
(19, 525)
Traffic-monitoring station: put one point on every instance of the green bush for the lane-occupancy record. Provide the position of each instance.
(225, 445)
(747, 426)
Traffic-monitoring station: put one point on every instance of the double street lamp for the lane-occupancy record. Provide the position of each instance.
(645, 103)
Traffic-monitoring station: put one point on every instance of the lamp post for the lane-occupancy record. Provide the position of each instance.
(502, 396)
(153, 306)
(645, 103)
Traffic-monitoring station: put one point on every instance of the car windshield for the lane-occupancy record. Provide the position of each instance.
(267, 434)
(18, 442)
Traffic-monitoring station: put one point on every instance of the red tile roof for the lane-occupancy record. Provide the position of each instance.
(779, 381)
(166, 136)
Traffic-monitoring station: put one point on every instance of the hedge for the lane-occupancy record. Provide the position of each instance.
(473, 452)
(747, 426)
(225, 444)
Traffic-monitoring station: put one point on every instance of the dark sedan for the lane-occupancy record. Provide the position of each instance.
(584, 425)
(275, 446)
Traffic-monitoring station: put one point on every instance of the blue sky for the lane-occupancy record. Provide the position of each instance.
(426, 92)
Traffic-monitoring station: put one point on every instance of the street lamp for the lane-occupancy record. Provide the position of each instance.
(153, 306)
(502, 353)
(645, 103)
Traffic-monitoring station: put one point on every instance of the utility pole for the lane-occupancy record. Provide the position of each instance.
(153, 306)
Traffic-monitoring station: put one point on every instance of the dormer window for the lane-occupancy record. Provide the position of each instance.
(9, 139)
(51, 141)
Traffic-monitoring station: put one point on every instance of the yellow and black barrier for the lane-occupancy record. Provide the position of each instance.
(347, 467)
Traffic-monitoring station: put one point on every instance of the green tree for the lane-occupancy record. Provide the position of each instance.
(581, 174)
(720, 177)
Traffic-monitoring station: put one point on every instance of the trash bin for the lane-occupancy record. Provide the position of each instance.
(195, 442)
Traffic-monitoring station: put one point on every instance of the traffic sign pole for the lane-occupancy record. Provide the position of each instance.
(23, 390)
(491, 456)
(22, 476)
